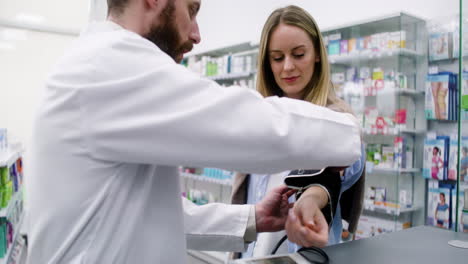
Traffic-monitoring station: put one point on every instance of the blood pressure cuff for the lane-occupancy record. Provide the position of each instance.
(328, 178)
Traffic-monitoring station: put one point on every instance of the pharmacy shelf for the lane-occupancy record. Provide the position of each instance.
(7, 158)
(447, 60)
(204, 178)
(412, 131)
(409, 92)
(377, 170)
(15, 197)
(397, 132)
(389, 210)
(233, 49)
(443, 121)
(371, 55)
(403, 91)
(5, 259)
(19, 252)
(231, 76)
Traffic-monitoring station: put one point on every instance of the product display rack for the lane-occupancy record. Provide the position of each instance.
(8, 157)
(11, 213)
(232, 65)
(461, 208)
(206, 185)
(379, 67)
(392, 171)
(18, 252)
(366, 56)
(17, 197)
(447, 81)
(393, 210)
(231, 76)
(204, 178)
(17, 245)
(394, 51)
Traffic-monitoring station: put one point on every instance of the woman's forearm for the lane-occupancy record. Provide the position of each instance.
(315, 194)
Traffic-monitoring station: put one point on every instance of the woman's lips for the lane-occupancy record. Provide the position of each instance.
(291, 79)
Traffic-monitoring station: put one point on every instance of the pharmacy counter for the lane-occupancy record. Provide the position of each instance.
(422, 244)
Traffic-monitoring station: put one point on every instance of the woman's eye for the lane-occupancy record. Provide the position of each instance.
(299, 55)
(277, 58)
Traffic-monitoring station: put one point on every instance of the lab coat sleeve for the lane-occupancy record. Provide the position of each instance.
(216, 226)
(145, 108)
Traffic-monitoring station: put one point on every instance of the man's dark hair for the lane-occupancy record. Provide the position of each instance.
(116, 6)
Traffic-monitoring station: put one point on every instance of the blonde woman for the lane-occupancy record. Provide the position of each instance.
(293, 63)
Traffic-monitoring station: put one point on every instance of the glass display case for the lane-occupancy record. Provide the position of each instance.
(401, 75)
(446, 110)
(231, 65)
(461, 208)
(379, 68)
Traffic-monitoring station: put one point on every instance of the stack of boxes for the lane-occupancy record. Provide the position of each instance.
(385, 41)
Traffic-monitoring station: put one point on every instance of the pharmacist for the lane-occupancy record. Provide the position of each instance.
(119, 114)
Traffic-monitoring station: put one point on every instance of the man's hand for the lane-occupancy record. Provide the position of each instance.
(306, 225)
(272, 211)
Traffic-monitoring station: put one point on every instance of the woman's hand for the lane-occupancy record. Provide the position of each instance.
(306, 225)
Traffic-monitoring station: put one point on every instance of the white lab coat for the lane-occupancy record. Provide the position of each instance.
(119, 116)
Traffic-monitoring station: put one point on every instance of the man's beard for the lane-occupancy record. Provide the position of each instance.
(166, 36)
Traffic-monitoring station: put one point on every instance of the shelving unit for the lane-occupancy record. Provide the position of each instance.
(19, 251)
(17, 196)
(9, 157)
(16, 237)
(447, 55)
(204, 178)
(395, 132)
(232, 76)
(230, 65)
(404, 60)
(389, 210)
(12, 213)
(379, 68)
(404, 67)
(366, 56)
(393, 171)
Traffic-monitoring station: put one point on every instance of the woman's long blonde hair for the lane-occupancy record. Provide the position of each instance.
(319, 90)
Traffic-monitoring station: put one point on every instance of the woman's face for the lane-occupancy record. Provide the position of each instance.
(292, 58)
(442, 199)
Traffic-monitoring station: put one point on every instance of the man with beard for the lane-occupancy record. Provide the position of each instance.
(119, 114)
